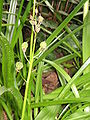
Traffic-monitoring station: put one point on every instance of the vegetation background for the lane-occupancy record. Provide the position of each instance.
(44, 60)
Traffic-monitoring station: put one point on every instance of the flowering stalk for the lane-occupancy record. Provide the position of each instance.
(30, 69)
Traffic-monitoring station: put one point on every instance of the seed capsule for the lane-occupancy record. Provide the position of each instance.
(24, 46)
(19, 66)
(43, 45)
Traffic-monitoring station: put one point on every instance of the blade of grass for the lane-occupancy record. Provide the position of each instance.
(11, 20)
(23, 19)
(16, 95)
(21, 53)
(78, 115)
(66, 27)
(67, 77)
(57, 44)
(67, 87)
(1, 112)
(68, 112)
(38, 87)
(8, 68)
(78, 73)
(17, 20)
(64, 23)
(71, 48)
(66, 44)
(1, 7)
(48, 113)
(61, 101)
(86, 35)
(6, 109)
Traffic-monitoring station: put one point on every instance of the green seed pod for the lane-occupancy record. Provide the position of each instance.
(43, 46)
(19, 66)
(24, 46)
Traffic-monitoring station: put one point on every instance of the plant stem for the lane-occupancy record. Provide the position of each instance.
(30, 67)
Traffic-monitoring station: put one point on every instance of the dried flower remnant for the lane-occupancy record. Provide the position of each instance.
(19, 66)
(43, 46)
(37, 28)
(31, 17)
(40, 19)
(36, 24)
(32, 21)
(36, 11)
(24, 46)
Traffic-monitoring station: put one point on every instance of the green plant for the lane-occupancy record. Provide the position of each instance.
(23, 62)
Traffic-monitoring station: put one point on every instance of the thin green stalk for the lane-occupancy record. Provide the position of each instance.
(26, 90)
(29, 98)
(31, 44)
(1, 6)
(34, 43)
(30, 68)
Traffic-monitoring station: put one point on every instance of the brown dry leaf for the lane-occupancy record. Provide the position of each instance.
(49, 82)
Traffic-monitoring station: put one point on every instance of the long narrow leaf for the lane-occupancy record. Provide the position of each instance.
(11, 19)
(1, 7)
(64, 23)
(86, 36)
(67, 77)
(8, 67)
(16, 34)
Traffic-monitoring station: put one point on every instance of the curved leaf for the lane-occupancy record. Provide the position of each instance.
(8, 69)
(48, 113)
(16, 95)
(79, 115)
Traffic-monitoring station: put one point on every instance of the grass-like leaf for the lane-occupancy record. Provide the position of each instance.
(11, 20)
(1, 6)
(23, 19)
(86, 36)
(8, 67)
(48, 113)
(16, 95)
